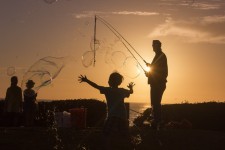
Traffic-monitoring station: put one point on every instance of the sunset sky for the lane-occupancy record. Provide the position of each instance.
(192, 33)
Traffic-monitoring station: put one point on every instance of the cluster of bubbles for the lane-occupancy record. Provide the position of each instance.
(115, 55)
(43, 71)
(89, 56)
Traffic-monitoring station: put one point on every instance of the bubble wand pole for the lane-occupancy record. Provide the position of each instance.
(95, 41)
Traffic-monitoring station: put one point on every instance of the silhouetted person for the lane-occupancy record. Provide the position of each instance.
(157, 80)
(13, 103)
(116, 122)
(30, 103)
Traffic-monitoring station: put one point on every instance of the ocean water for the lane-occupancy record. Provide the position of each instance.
(136, 109)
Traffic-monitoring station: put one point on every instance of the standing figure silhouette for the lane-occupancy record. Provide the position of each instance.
(30, 103)
(13, 103)
(116, 122)
(157, 78)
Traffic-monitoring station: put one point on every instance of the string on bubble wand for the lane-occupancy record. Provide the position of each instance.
(117, 34)
(109, 25)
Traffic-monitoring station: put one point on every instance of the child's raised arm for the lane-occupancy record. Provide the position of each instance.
(130, 86)
(83, 78)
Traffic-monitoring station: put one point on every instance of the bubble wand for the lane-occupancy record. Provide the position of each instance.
(117, 34)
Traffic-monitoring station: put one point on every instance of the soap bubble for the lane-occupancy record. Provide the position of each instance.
(43, 71)
(88, 58)
(95, 44)
(11, 71)
(118, 59)
(131, 68)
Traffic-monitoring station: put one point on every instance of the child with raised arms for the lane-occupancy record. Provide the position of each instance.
(116, 122)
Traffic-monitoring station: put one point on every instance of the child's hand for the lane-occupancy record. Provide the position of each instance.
(130, 85)
(82, 78)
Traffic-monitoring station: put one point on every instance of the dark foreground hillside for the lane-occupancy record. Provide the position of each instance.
(92, 139)
(202, 116)
(207, 130)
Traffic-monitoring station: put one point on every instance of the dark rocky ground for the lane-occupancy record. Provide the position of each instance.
(41, 138)
(205, 132)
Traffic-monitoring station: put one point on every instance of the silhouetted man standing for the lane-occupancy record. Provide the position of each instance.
(157, 80)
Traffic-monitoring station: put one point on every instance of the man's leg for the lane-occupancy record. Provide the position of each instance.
(156, 97)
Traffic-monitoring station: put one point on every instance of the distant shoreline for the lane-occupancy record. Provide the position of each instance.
(147, 102)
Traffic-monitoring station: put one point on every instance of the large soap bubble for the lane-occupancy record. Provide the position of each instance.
(43, 71)
(11, 71)
(88, 58)
(131, 68)
(118, 58)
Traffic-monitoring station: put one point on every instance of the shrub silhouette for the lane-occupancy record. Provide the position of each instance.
(96, 111)
(206, 116)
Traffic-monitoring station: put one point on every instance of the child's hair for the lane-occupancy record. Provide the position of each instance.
(115, 79)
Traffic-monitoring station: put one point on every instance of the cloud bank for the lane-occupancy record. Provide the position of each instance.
(88, 14)
(194, 31)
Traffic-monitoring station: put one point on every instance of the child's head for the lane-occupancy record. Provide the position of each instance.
(115, 79)
(14, 80)
(30, 84)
